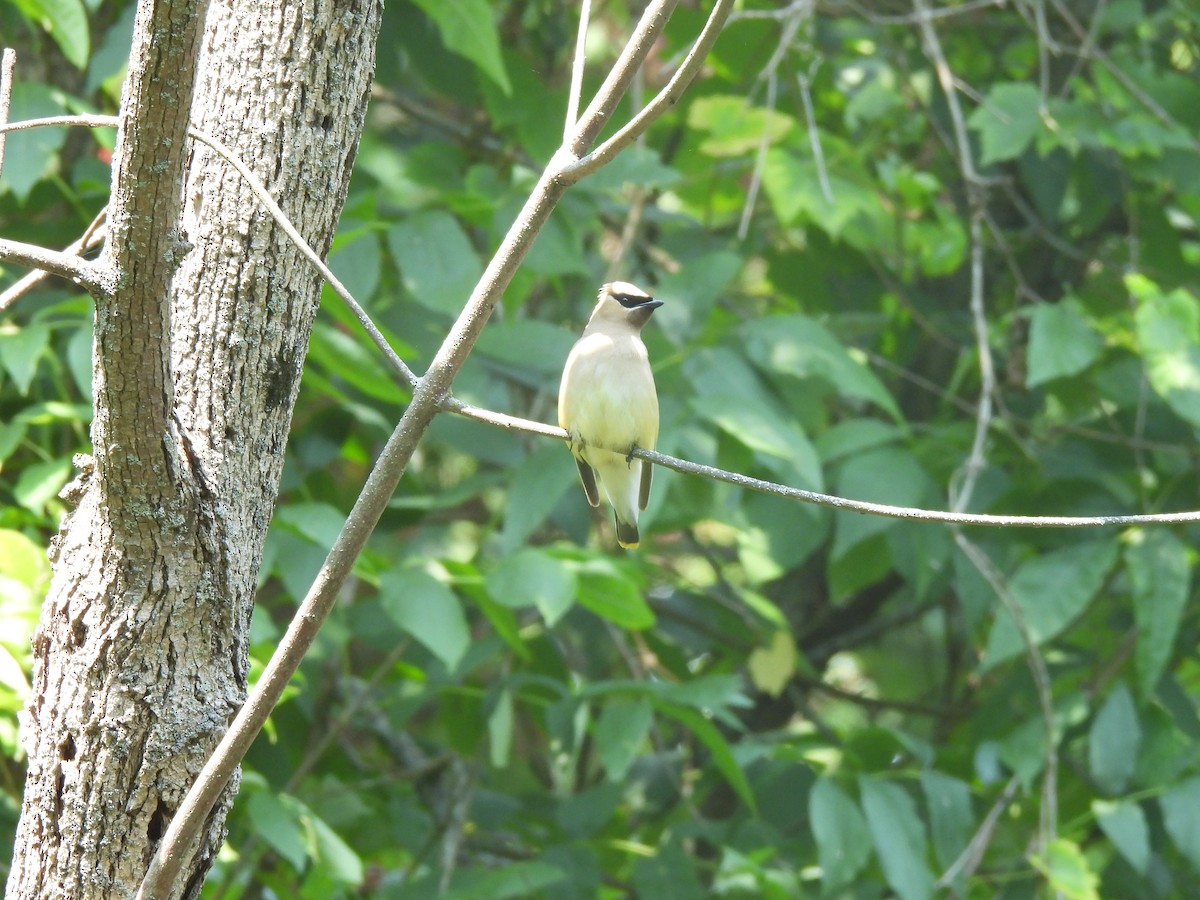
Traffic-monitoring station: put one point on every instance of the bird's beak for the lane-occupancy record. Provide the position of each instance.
(652, 303)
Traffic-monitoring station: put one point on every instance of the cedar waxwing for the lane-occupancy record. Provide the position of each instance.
(607, 403)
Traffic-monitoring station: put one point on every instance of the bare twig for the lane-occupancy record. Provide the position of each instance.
(1116, 71)
(92, 237)
(943, 12)
(577, 64)
(933, 47)
(264, 196)
(1048, 819)
(968, 861)
(67, 265)
(665, 99)
(977, 459)
(797, 13)
(814, 136)
(7, 61)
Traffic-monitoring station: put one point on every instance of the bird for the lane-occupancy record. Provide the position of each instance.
(608, 405)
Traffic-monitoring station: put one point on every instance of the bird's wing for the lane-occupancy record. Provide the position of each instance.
(644, 490)
(588, 476)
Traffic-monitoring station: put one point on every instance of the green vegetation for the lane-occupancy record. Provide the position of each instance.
(768, 699)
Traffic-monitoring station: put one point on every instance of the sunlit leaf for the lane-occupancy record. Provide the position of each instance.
(1067, 871)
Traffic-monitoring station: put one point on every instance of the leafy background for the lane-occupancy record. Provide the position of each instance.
(768, 699)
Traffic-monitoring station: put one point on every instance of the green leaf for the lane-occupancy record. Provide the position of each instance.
(731, 395)
(1114, 741)
(1067, 871)
(500, 730)
(40, 483)
(803, 348)
(1124, 824)
(793, 186)
(718, 747)
(429, 611)
(1051, 590)
(889, 474)
(706, 693)
(1181, 816)
(278, 820)
(320, 523)
(1168, 330)
(537, 486)
(534, 578)
(1160, 577)
(356, 260)
(621, 732)
(21, 350)
(66, 22)
(528, 344)
(949, 802)
(612, 595)
(1007, 120)
(28, 155)
(843, 840)
(22, 561)
(468, 28)
(515, 879)
(333, 860)
(772, 667)
(898, 835)
(670, 872)
(735, 128)
(438, 265)
(1060, 343)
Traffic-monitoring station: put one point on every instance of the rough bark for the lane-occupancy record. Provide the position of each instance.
(140, 655)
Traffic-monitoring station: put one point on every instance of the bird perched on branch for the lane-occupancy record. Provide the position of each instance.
(607, 403)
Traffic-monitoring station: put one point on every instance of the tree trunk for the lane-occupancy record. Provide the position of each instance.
(140, 654)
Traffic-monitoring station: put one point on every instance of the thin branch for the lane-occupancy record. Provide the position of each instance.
(66, 265)
(977, 460)
(814, 136)
(666, 98)
(943, 12)
(1048, 814)
(92, 237)
(577, 64)
(637, 48)
(430, 392)
(760, 158)
(264, 196)
(946, 79)
(968, 861)
(1089, 45)
(7, 61)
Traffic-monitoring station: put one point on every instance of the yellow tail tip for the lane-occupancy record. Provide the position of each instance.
(625, 546)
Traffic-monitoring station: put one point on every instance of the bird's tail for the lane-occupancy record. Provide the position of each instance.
(627, 533)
